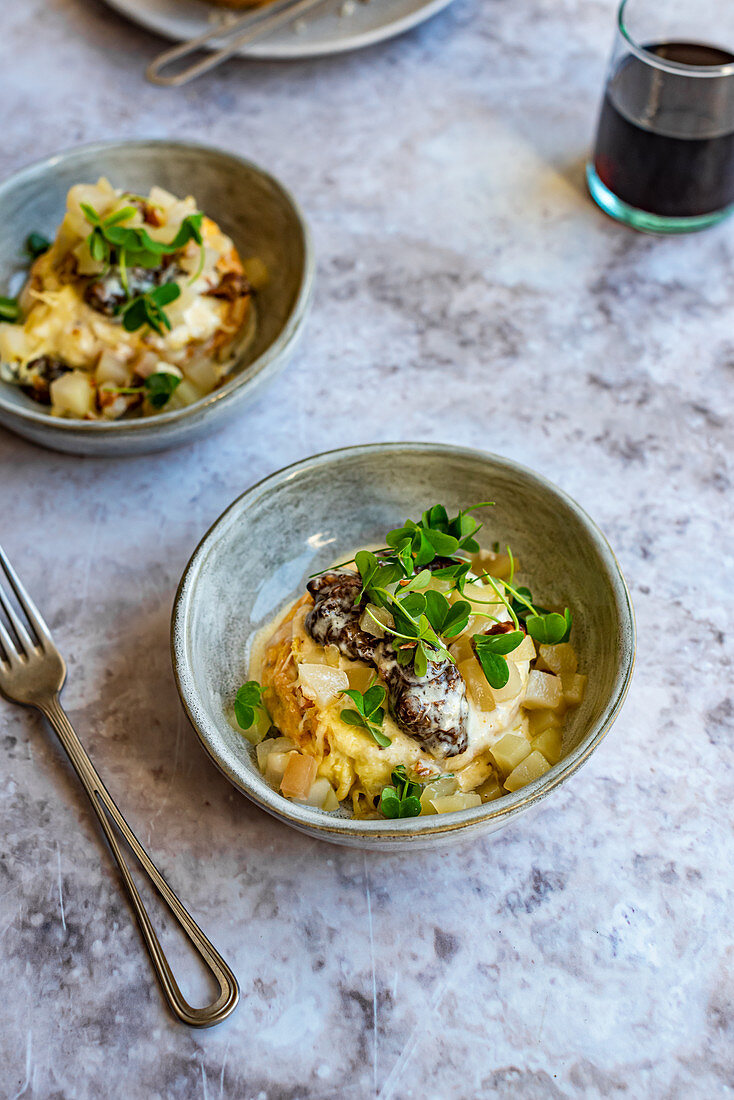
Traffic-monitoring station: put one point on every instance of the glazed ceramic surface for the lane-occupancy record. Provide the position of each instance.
(333, 27)
(252, 207)
(259, 555)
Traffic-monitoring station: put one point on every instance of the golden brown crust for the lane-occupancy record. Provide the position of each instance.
(288, 706)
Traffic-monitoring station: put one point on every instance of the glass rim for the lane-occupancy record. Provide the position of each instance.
(677, 67)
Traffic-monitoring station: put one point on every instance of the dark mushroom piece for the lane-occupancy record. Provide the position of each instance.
(45, 370)
(432, 708)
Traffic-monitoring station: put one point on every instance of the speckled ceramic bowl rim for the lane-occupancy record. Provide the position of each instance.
(256, 370)
(311, 820)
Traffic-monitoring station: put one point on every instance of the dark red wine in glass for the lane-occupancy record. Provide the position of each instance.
(638, 155)
(664, 155)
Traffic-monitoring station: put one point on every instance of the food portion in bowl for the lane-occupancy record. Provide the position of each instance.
(138, 305)
(417, 678)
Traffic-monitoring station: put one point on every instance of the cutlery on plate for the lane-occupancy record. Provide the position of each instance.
(32, 673)
(253, 24)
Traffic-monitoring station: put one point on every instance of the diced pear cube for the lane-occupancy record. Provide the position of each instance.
(275, 766)
(490, 789)
(550, 743)
(512, 687)
(318, 793)
(321, 683)
(273, 744)
(532, 767)
(437, 788)
(259, 729)
(445, 784)
(331, 802)
(460, 650)
(497, 565)
(374, 619)
(475, 773)
(73, 394)
(509, 751)
(256, 272)
(478, 690)
(360, 678)
(299, 774)
(543, 691)
(559, 658)
(574, 687)
(450, 803)
(525, 651)
(540, 720)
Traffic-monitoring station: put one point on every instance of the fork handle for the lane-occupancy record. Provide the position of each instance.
(255, 24)
(105, 808)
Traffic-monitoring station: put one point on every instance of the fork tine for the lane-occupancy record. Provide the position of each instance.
(20, 631)
(8, 649)
(32, 613)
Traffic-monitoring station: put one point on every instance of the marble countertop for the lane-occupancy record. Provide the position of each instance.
(468, 291)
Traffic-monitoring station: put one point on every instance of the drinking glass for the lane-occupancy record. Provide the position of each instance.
(664, 155)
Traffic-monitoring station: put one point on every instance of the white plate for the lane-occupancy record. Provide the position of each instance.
(324, 31)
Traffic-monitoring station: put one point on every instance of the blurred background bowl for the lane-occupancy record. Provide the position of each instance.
(256, 211)
(258, 556)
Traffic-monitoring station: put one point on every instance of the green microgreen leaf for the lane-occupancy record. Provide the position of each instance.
(390, 803)
(492, 650)
(9, 310)
(367, 566)
(444, 545)
(419, 581)
(160, 386)
(91, 214)
(132, 246)
(522, 602)
(248, 701)
(369, 714)
(414, 605)
(35, 245)
(550, 628)
(147, 309)
(402, 799)
(455, 573)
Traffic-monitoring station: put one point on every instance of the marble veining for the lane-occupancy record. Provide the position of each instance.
(469, 292)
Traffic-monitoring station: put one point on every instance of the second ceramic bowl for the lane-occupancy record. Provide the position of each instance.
(254, 209)
(259, 554)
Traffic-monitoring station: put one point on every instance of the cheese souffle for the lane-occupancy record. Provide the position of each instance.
(137, 306)
(416, 678)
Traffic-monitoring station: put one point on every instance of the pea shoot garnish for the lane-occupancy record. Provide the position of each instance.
(435, 535)
(160, 386)
(147, 309)
(369, 713)
(402, 799)
(420, 621)
(549, 628)
(9, 310)
(111, 242)
(491, 651)
(157, 388)
(398, 579)
(247, 703)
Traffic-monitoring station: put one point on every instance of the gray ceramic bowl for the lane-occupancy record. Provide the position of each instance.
(252, 207)
(258, 555)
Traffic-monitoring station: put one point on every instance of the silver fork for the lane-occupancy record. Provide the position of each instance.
(32, 673)
(247, 28)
